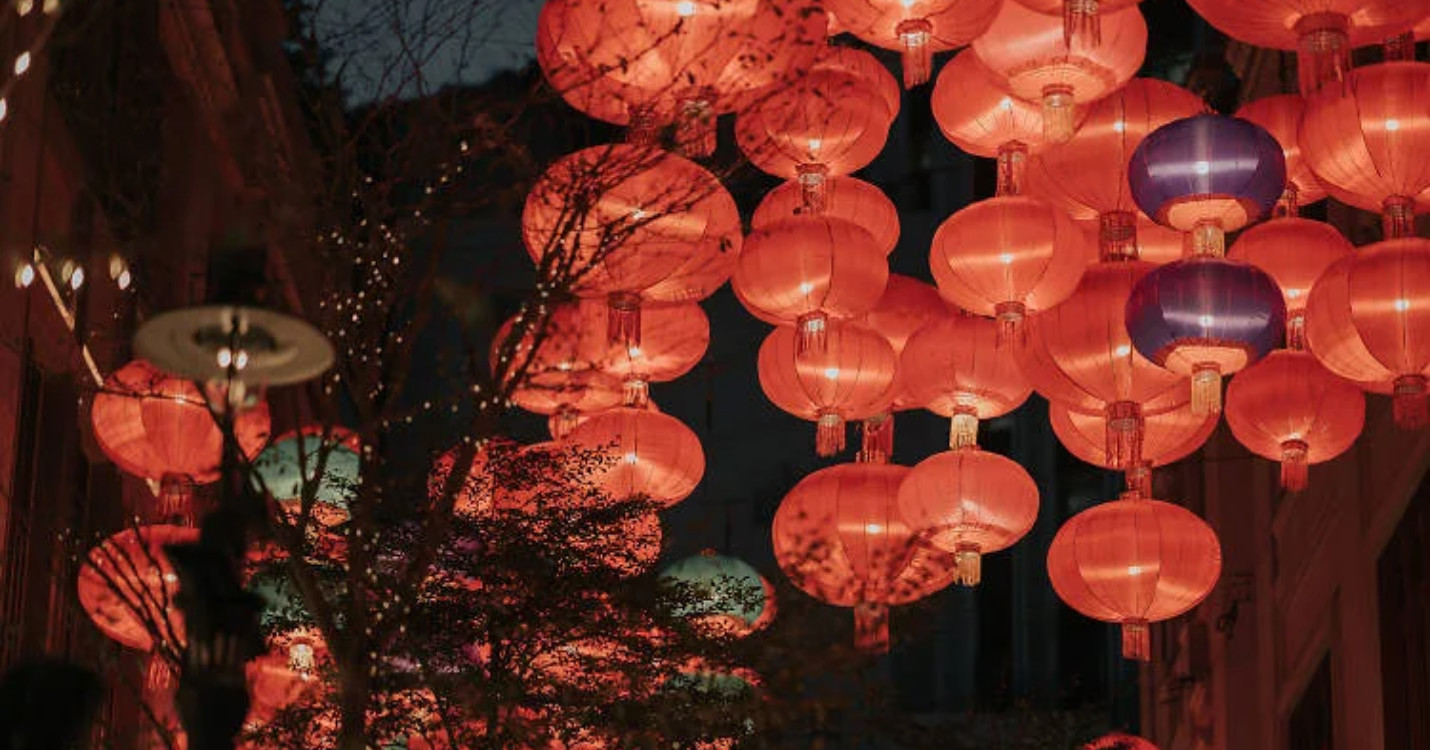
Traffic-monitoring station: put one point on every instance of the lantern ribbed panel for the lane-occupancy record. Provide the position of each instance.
(1349, 143)
(839, 536)
(565, 373)
(1031, 52)
(651, 454)
(651, 213)
(978, 113)
(867, 68)
(953, 365)
(1087, 176)
(1368, 319)
(570, 39)
(1207, 168)
(853, 378)
(1294, 251)
(907, 304)
(134, 560)
(1167, 437)
(1009, 250)
(1289, 408)
(152, 425)
(969, 500)
(1134, 561)
(828, 119)
(1280, 115)
(847, 198)
(917, 28)
(1079, 354)
(811, 264)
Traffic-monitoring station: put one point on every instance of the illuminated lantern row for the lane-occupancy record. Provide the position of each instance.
(1040, 64)
(626, 220)
(160, 428)
(953, 367)
(1322, 33)
(917, 28)
(840, 537)
(730, 597)
(1134, 561)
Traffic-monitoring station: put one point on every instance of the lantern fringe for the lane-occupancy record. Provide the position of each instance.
(1399, 48)
(636, 392)
(1397, 217)
(563, 422)
(871, 627)
(1294, 467)
(1323, 55)
(623, 319)
(1296, 330)
(1012, 165)
(642, 130)
(1139, 479)
(1208, 238)
(812, 186)
(1124, 433)
(1289, 204)
(877, 439)
(696, 132)
(829, 435)
(914, 33)
(970, 565)
(176, 500)
(1412, 412)
(158, 677)
(1058, 113)
(811, 334)
(1082, 23)
(1136, 641)
(1206, 390)
(1117, 236)
(963, 430)
(1010, 322)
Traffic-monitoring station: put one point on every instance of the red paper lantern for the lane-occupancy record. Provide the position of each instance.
(975, 110)
(1280, 115)
(1322, 33)
(953, 367)
(127, 586)
(1167, 437)
(621, 219)
(839, 536)
(1372, 148)
(1079, 354)
(1030, 50)
(852, 378)
(1087, 176)
(160, 428)
(1365, 319)
(1289, 408)
(907, 304)
(285, 675)
(917, 28)
(652, 455)
(1134, 561)
(1294, 252)
(1008, 256)
(806, 270)
(673, 339)
(560, 378)
(867, 68)
(829, 122)
(847, 198)
(971, 503)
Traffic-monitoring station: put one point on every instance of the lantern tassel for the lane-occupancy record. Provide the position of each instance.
(829, 435)
(1139, 479)
(636, 392)
(877, 443)
(1124, 434)
(176, 500)
(158, 677)
(918, 56)
(1082, 23)
(963, 430)
(1012, 165)
(970, 565)
(623, 319)
(1117, 236)
(1058, 113)
(563, 422)
(642, 130)
(1010, 322)
(696, 133)
(1136, 641)
(811, 334)
(1294, 468)
(1208, 238)
(871, 627)
(1397, 218)
(1323, 55)
(1206, 390)
(1412, 412)
(812, 187)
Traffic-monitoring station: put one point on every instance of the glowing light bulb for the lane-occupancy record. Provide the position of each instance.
(301, 659)
(805, 287)
(630, 458)
(24, 275)
(1293, 293)
(1119, 126)
(225, 357)
(171, 578)
(22, 63)
(1134, 570)
(1392, 125)
(1401, 305)
(831, 373)
(874, 528)
(77, 279)
(638, 214)
(815, 143)
(124, 280)
(1006, 103)
(685, 8)
(1123, 351)
(1202, 167)
(634, 352)
(1005, 258)
(1206, 321)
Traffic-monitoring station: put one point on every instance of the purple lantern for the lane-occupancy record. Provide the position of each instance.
(1206, 317)
(1208, 175)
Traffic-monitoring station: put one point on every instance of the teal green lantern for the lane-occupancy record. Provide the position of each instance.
(721, 595)
(293, 459)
